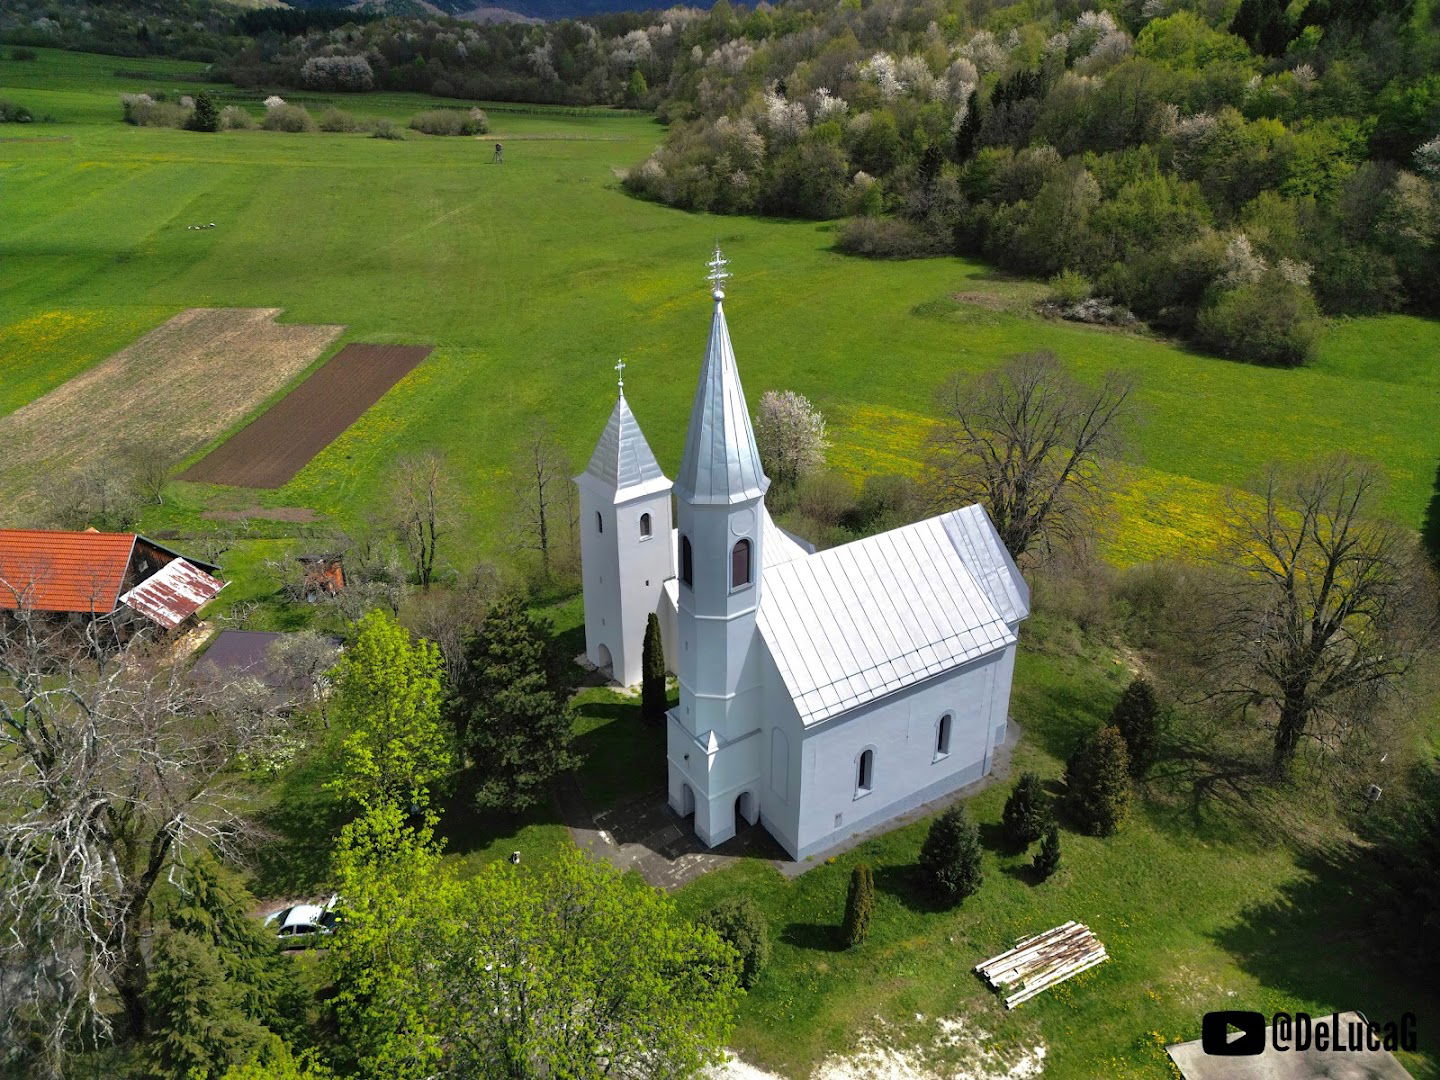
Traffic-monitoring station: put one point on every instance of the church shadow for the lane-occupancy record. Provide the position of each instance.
(816, 937)
(1430, 525)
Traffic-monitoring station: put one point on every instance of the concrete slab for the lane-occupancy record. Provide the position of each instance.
(1194, 1064)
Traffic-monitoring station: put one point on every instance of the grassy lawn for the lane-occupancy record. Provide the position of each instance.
(531, 278)
(1195, 915)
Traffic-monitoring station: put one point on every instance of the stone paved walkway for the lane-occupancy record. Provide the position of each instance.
(645, 835)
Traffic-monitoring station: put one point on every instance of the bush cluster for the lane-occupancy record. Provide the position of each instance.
(740, 922)
(287, 117)
(451, 122)
(12, 112)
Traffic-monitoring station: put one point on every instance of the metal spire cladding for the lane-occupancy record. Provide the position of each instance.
(721, 462)
(623, 462)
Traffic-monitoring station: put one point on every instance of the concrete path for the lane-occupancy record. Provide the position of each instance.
(648, 837)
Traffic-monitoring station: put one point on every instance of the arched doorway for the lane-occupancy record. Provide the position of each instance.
(607, 663)
(687, 800)
(745, 812)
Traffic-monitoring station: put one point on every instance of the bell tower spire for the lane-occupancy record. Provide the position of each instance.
(720, 493)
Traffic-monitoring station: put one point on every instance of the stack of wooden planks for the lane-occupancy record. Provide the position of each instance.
(1039, 962)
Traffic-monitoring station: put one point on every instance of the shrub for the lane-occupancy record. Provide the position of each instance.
(234, 118)
(1069, 287)
(14, 113)
(1047, 859)
(204, 116)
(348, 73)
(333, 119)
(1025, 814)
(274, 101)
(148, 110)
(950, 856)
(1137, 717)
(859, 906)
(450, 122)
(1097, 782)
(741, 923)
(654, 699)
(1273, 320)
(886, 238)
(283, 117)
(24, 54)
(386, 129)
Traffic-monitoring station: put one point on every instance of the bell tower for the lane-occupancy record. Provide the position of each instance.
(625, 542)
(720, 493)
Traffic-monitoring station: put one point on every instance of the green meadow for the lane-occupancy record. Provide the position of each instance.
(531, 279)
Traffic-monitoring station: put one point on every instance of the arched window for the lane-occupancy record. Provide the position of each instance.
(865, 773)
(687, 563)
(942, 737)
(644, 525)
(599, 522)
(740, 564)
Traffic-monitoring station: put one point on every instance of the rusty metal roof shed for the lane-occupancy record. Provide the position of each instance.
(173, 593)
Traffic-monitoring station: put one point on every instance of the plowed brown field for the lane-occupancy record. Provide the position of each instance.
(168, 394)
(268, 452)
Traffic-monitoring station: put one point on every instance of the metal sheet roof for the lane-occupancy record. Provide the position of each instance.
(173, 593)
(974, 536)
(857, 622)
(623, 461)
(721, 463)
(778, 546)
(52, 570)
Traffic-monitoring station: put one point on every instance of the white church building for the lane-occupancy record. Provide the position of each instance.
(821, 693)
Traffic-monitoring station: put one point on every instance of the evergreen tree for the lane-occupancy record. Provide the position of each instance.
(195, 1011)
(515, 728)
(740, 922)
(968, 129)
(1137, 718)
(213, 908)
(1097, 781)
(387, 704)
(205, 117)
(1025, 812)
(654, 699)
(1047, 859)
(859, 906)
(950, 856)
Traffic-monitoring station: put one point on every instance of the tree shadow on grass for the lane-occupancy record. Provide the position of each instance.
(291, 842)
(993, 838)
(817, 937)
(1061, 719)
(1430, 526)
(465, 827)
(1022, 872)
(1318, 940)
(905, 885)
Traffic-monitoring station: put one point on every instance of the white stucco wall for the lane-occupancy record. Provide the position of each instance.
(901, 731)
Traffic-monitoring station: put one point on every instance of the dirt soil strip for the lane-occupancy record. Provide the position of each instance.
(168, 394)
(280, 442)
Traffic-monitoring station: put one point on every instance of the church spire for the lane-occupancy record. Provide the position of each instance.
(623, 465)
(721, 462)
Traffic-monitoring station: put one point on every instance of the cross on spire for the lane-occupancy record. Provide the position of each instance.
(718, 274)
(620, 366)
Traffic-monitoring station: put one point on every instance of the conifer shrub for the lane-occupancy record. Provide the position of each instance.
(653, 696)
(740, 922)
(950, 857)
(1137, 717)
(859, 906)
(1097, 782)
(195, 1012)
(204, 116)
(1047, 859)
(1025, 814)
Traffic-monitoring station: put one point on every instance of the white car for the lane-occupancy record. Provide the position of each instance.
(304, 924)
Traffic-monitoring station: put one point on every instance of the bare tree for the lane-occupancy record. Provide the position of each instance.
(450, 617)
(148, 466)
(791, 435)
(303, 660)
(1027, 441)
(542, 479)
(1327, 608)
(421, 508)
(114, 763)
(98, 496)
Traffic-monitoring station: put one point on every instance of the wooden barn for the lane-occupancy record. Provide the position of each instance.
(89, 575)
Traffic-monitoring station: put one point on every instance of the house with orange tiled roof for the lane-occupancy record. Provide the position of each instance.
(90, 574)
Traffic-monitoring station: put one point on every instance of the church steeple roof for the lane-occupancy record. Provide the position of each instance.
(721, 462)
(623, 462)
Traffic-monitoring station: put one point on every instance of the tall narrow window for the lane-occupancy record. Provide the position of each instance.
(864, 773)
(599, 522)
(942, 736)
(740, 564)
(644, 525)
(687, 563)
